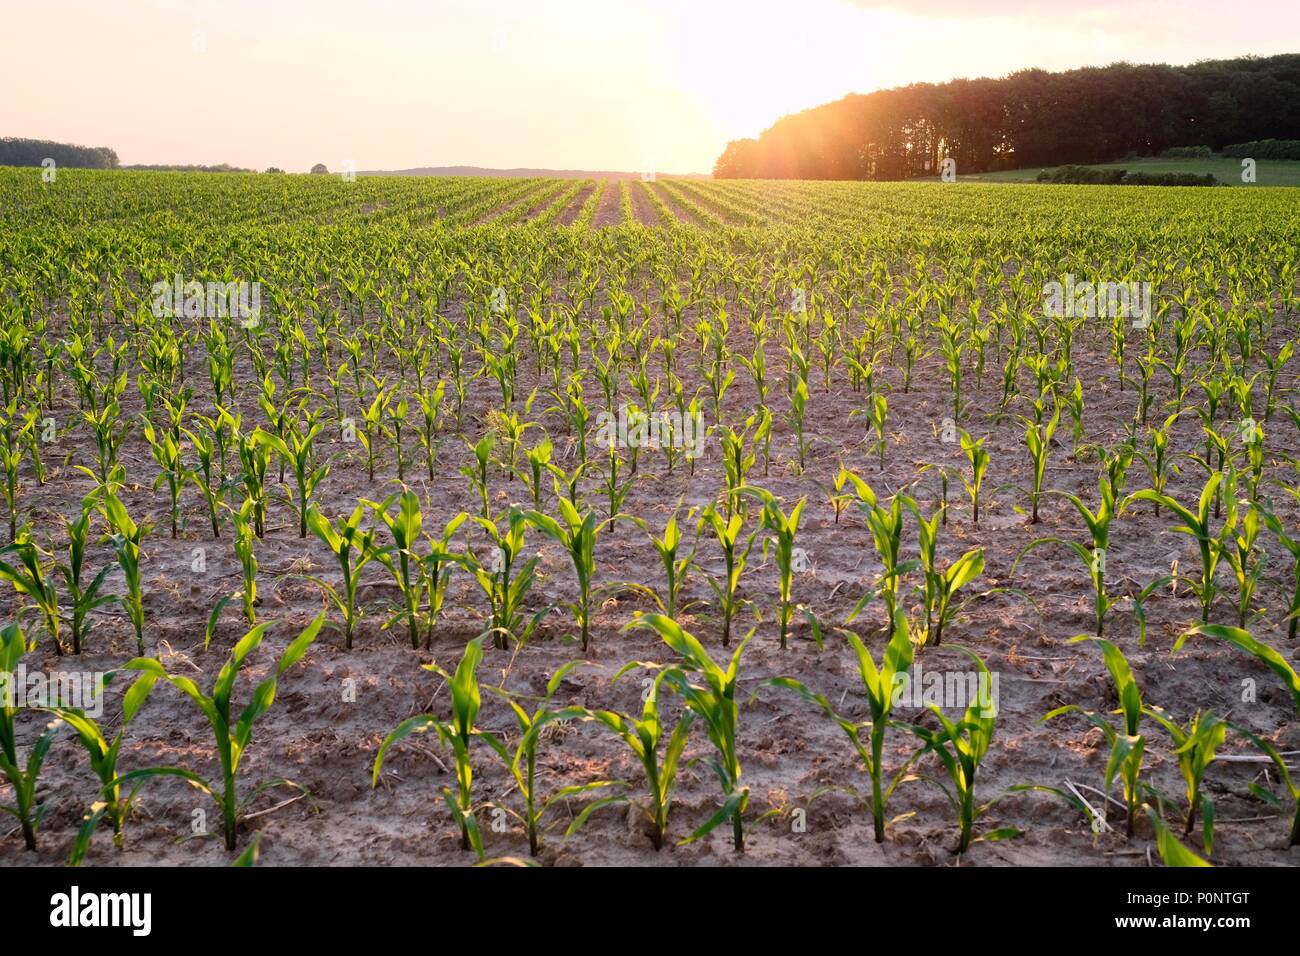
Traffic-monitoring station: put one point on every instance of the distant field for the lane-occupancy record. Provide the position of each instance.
(1274, 172)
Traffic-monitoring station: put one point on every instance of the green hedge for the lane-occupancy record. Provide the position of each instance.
(1264, 149)
(1094, 176)
(1188, 152)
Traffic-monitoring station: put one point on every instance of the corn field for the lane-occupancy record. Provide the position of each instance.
(501, 521)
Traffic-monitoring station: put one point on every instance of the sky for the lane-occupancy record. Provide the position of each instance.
(577, 84)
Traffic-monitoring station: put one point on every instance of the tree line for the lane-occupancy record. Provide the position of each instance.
(1029, 118)
(34, 152)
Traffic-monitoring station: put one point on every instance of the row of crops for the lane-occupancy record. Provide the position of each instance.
(465, 423)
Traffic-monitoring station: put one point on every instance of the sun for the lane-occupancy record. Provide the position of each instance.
(748, 66)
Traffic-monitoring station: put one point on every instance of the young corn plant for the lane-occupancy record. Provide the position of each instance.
(401, 560)
(1038, 439)
(1274, 661)
(173, 472)
(232, 735)
(245, 544)
(978, 458)
(675, 566)
(886, 526)
(877, 407)
(127, 538)
(781, 529)
(539, 463)
(477, 473)
(208, 477)
(713, 700)
(524, 765)
(1157, 461)
(353, 548)
(1127, 744)
(254, 452)
(113, 805)
(960, 748)
(430, 407)
(83, 597)
(1197, 525)
(33, 578)
(798, 413)
(577, 536)
(643, 737)
(941, 586)
(1194, 746)
(26, 808)
(506, 581)
(296, 451)
(437, 567)
(880, 682)
(1111, 487)
(735, 554)
(459, 731)
(11, 459)
(1245, 562)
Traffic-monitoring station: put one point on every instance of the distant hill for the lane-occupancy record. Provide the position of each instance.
(520, 173)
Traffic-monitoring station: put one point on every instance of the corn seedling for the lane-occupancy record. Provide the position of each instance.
(978, 459)
(1194, 746)
(112, 804)
(84, 597)
(168, 456)
(781, 530)
(643, 737)
(232, 736)
(1279, 665)
(880, 681)
(941, 587)
(1197, 525)
(245, 543)
(296, 450)
(675, 567)
(713, 700)
(1127, 744)
(961, 747)
(735, 554)
(886, 526)
(26, 809)
(577, 536)
(33, 577)
(127, 538)
(353, 548)
(478, 472)
(459, 732)
(506, 581)
(524, 765)
(208, 477)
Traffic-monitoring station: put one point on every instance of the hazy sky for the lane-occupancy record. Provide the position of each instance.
(592, 84)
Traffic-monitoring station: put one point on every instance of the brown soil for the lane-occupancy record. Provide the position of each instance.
(646, 213)
(333, 709)
(610, 213)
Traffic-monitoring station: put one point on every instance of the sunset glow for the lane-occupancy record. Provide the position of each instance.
(594, 84)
